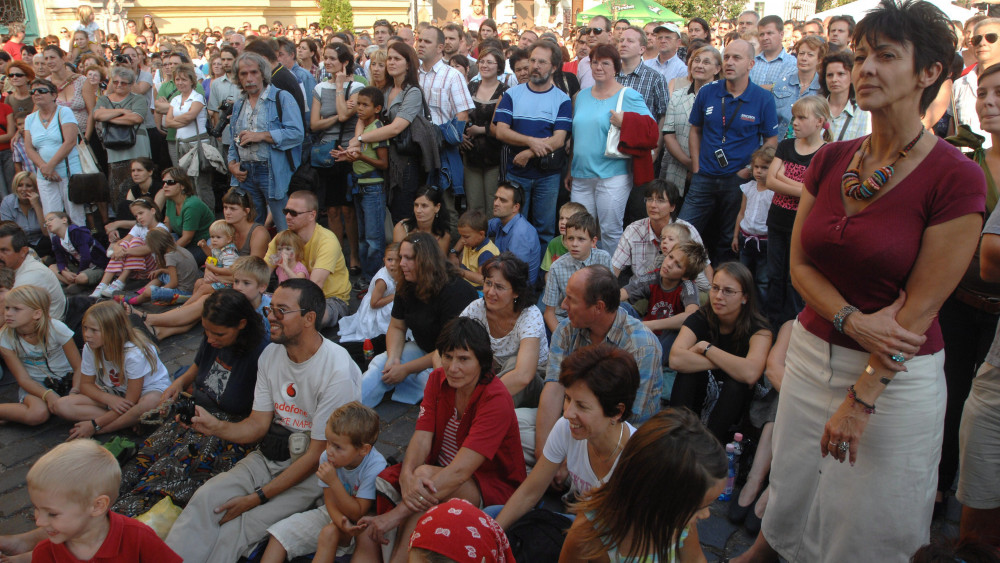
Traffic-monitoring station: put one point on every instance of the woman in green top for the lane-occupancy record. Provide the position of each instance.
(185, 213)
(122, 107)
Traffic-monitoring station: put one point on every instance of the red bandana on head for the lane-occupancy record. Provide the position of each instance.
(458, 530)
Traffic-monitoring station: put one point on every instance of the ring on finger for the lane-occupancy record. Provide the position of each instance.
(898, 357)
(421, 497)
(844, 446)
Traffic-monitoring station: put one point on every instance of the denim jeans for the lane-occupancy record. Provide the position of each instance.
(369, 207)
(256, 184)
(753, 255)
(540, 195)
(714, 200)
(409, 391)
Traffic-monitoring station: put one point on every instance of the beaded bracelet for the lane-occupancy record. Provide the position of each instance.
(841, 316)
(853, 395)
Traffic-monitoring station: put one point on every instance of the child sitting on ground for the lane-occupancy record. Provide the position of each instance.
(35, 347)
(287, 259)
(175, 277)
(581, 245)
(750, 236)
(672, 295)
(80, 260)
(72, 488)
(122, 375)
(476, 247)
(371, 322)
(221, 248)
(18, 153)
(556, 248)
(130, 254)
(347, 472)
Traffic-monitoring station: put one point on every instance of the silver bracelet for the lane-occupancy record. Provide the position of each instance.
(841, 316)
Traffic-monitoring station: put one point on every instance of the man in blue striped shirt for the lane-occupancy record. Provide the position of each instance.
(773, 62)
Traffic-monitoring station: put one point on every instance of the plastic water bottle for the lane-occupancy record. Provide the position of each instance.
(738, 450)
(369, 350)
(727, 493)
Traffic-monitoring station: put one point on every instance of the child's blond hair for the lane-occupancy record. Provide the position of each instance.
(290, 238)
(116, 332)
(818, 107)
(360, 424)
(81, 470)
(221, 227)
(36, 299)
(680, 230)
(572, 207)
(253, 267)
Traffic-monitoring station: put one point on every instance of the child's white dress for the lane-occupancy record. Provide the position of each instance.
(368, 322)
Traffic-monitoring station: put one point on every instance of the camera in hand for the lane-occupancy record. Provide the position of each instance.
(181, 408)
(225, 110)
(61, 385)
(122, 59)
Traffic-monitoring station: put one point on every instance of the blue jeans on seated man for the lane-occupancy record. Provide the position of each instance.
(409, 391)
(256, 186)
(540, 195)
(369, 207)
(714, 200)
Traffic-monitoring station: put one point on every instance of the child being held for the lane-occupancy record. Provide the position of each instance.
(35, 347)
(476, 247)
(556, 248)
(221, 248)
(174, 280)
(18, 153)
(287, 258)
(672, 295)
(80, 260)
(750, 236)
(347, 472)
(122, 375)
(581, 244)
(72, 488)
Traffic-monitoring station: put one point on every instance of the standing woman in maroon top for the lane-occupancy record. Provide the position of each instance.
(879, 242)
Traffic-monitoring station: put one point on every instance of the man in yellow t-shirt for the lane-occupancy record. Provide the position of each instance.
(323, 255)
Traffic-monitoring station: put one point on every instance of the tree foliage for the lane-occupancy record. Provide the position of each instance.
(705, 8)
(337, 14)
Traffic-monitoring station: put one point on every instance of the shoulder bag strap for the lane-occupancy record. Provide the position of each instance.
(288, 152)
(347, 96)
(62, 138)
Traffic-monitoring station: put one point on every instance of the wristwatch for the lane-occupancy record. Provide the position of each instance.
(97, 427)
(260, 494)
(452, 251)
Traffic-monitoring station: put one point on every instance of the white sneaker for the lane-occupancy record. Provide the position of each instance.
(110, 290)
(99, 290)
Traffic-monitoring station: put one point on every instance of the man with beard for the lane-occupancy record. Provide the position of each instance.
(303, 377)
(534, 119)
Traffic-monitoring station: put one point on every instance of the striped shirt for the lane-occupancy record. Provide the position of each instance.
(446, 93)
(449, 441)
(768, 72)
(535, 114)
(651, 85)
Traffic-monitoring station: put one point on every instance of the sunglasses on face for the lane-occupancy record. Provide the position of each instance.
(292, 213)
(170, 182)
(141, 43)
(989, 37)
(279, 313)
(37, 91)
(16, 75)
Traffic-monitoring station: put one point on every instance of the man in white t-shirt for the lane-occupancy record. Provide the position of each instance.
(29, 270)
(302, 378)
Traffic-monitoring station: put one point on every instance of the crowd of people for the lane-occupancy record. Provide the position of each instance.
(591, 256)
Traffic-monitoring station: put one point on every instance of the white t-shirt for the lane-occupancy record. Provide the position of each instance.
(561, 446)
(299, 394)
(37, 362)
(33, 272)
(139, 232)
(155, 377)
(529, 324)
(360, 481)
(183, 106)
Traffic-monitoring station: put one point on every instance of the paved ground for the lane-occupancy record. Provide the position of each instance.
(20, 446)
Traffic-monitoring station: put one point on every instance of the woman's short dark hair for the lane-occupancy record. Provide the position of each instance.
(921, 24)
(663, 188)
(412, 77)
(516, 56)
(181, 177)
(441, 222)
(345, 55)
(55, 49)
(45, 83)
(609, 372)
(464, 333)
(227, 307)
(237, 196)
(497, 56)
(605, 51)
(843, 57)
(515, 271)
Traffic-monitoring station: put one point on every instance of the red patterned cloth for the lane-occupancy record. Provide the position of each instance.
(462, 532)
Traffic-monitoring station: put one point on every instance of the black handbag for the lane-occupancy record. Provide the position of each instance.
(404, 140)
(118, 137)
(84, 189)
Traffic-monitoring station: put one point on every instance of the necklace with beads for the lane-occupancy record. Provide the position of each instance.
(854, 188)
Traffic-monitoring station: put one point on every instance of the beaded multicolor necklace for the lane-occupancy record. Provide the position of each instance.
(856, 189)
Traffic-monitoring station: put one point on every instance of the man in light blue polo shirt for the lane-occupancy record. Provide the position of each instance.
(728, 121)
(510, 231)
(534, 119)
(773, 62)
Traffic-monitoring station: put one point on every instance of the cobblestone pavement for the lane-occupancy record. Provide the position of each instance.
(20, 446)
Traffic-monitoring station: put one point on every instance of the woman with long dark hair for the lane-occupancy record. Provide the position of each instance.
(430, 215)
(849, 121)
(721, 350)
(428, 295)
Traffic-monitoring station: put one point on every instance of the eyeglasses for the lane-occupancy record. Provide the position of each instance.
(279, 313)
(294, 213)
(989, 37)
(727, 291)
(37, 91)
(597, 30)
(141, 43)
(120, 83)
(170, 182)
(16, 74)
